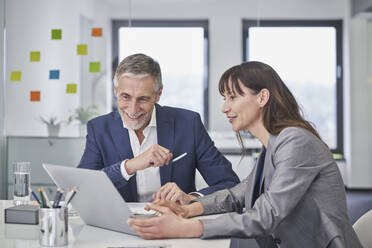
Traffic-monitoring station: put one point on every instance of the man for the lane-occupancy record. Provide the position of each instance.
(135, 145)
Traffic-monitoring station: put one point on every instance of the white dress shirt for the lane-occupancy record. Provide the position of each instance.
(148, 180)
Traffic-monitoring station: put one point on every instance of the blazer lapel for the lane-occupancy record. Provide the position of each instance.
(120, 136)
(251, 180)
(268, 168)
(165, 132)
(250, 190)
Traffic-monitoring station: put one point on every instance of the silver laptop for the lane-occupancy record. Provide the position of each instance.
(97, 201)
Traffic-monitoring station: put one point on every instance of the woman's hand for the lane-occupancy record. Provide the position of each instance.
(168, 225)
(180, 210)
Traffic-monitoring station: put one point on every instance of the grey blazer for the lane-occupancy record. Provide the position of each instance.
(303, 204)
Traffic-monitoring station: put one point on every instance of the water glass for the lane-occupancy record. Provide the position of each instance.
(21, 175)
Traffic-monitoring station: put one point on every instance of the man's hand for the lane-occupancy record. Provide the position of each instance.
(155, 156)
(171, 192)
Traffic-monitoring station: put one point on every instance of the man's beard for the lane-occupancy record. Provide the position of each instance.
(134, 125)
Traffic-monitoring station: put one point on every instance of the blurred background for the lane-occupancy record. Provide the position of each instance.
(58, 58)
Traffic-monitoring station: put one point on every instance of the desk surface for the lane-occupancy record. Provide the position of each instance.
(81, 235)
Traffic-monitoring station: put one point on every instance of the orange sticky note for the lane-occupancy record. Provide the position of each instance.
(97, 32)
(35, 96)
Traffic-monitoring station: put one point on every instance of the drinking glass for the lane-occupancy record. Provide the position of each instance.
(21, 175)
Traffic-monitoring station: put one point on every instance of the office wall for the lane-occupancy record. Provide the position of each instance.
(2, 106)
(29, 25)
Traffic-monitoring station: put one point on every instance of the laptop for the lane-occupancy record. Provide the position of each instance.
(97, 201)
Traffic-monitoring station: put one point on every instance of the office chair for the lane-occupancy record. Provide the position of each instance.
(362, 228)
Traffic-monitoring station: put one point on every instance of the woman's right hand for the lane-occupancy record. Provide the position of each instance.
(185, 211)
(176, 208)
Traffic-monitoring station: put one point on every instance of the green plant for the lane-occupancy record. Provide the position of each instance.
(83, 114)
(51, 120)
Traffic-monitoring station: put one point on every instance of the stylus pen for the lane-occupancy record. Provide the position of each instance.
(179, 157)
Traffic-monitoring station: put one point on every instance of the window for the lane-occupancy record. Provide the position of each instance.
(308, 57)
(181, 48)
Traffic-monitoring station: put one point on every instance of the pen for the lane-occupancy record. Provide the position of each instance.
(68, 200)
(47, 202)
(41, 198)
(56, 203)
(35, 196)
(179, 157)
(56, 197)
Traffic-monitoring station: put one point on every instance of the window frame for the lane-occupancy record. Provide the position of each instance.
(338, 25)
(117, 24)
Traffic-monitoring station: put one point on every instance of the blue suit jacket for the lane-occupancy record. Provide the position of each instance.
(178, 130)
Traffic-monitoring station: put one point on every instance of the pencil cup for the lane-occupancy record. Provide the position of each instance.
(53, 226)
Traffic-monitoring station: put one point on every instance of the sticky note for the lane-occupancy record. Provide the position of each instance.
(97, 32)
(54, 74)
(15, 76)
(34, 56)
(71, 88)
(94, 66)
(82, 49)
(35, 96)
(56, 34)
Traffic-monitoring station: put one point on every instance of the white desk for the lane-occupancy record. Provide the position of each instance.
(81, 235)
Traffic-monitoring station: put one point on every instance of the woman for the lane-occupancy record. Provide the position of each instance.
(294, 196)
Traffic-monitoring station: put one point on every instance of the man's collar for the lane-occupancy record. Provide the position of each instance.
(152, 122)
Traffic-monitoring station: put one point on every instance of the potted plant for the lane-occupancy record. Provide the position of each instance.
(53, 125)
(83, 115)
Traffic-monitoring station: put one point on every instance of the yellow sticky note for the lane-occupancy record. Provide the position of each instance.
(82, 49)
(34, 56)
(71, 88)
(94, 66)
(15, 76)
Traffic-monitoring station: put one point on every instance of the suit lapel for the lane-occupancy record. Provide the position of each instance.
(120, 136)
(165, 132)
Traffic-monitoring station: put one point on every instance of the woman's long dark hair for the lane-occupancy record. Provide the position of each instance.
(280, 111)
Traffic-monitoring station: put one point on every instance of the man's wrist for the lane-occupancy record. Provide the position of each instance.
(128, 167)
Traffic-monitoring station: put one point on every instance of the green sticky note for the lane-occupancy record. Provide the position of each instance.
(71, 88)
(56, 34)
(82, 49)
(34, 56)
(15, 76)
(94, 66)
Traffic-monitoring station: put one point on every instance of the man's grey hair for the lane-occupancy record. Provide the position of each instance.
(139, 66)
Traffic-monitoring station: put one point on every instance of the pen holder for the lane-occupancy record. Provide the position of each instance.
(53, 226)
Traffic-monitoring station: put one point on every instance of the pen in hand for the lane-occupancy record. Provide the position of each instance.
(179, 157)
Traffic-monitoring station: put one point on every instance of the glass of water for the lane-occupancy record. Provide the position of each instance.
(21, 192)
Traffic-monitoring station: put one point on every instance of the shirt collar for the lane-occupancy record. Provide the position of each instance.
(152, 120)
